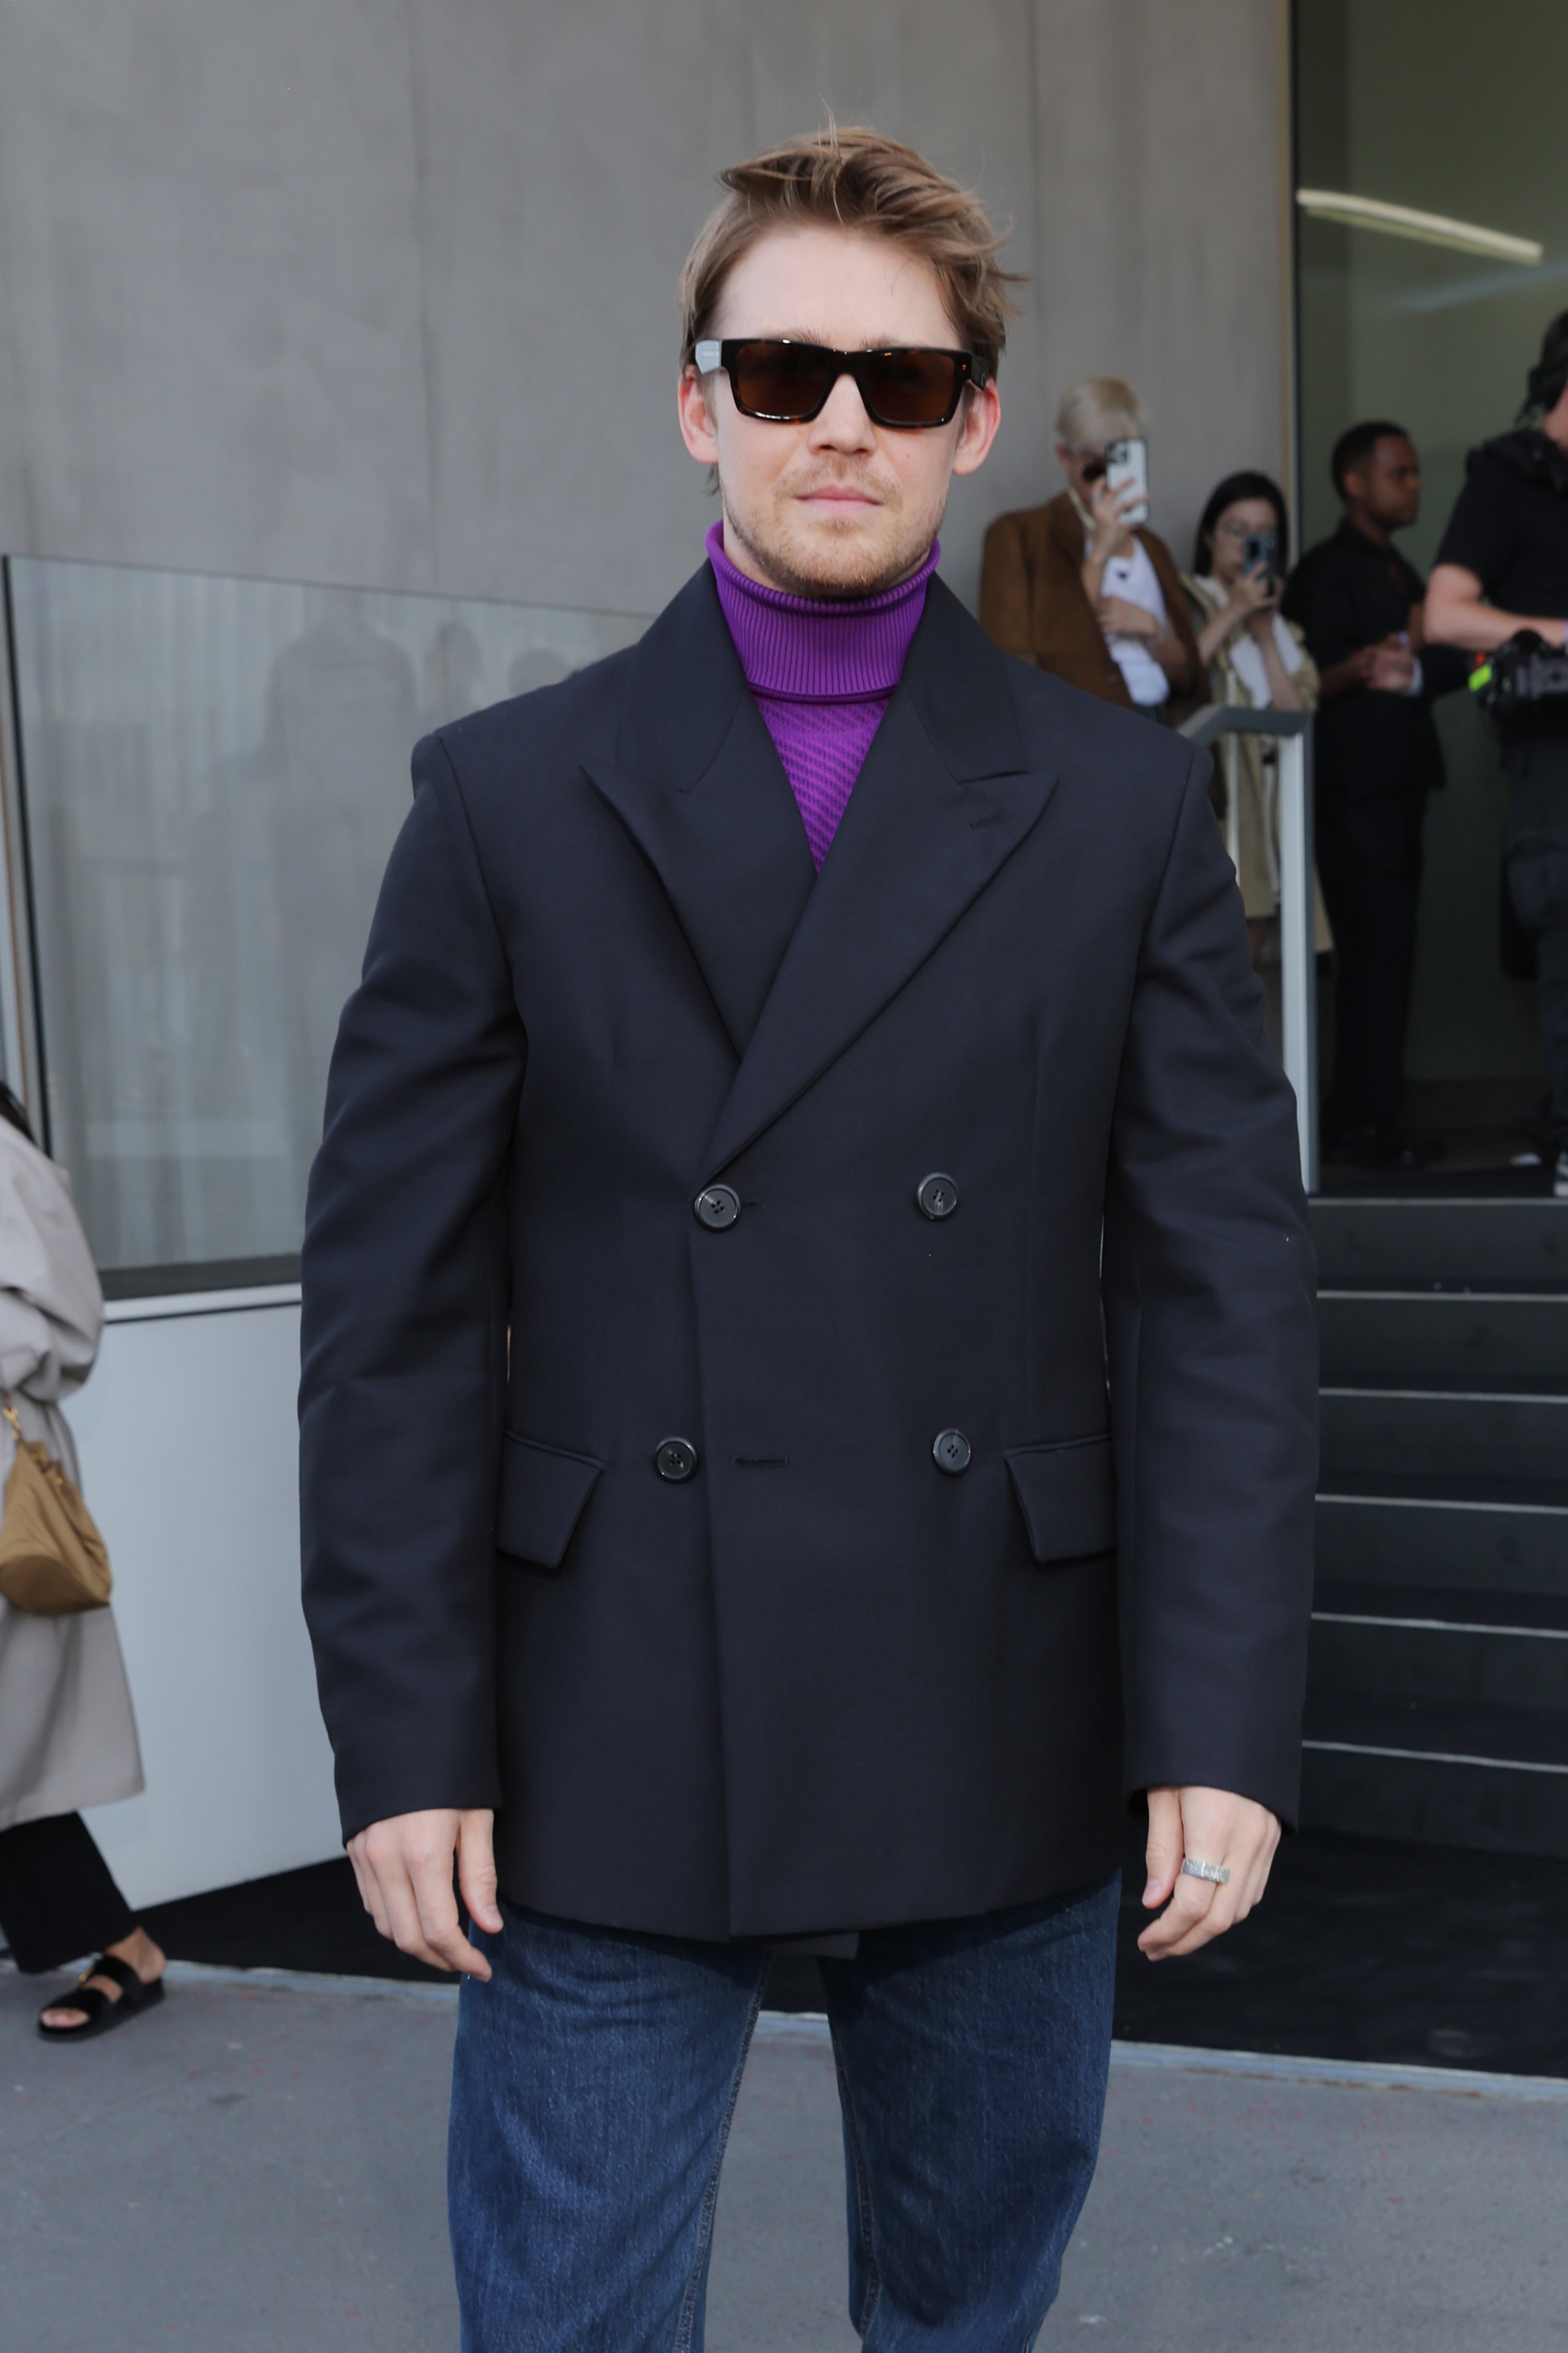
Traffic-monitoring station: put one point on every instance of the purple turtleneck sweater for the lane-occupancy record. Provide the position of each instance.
(823, 673)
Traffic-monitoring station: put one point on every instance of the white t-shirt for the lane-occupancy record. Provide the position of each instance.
(1132, 578)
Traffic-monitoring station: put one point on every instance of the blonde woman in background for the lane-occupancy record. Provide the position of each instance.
(1076, 589)
(67, 1737)
(1255, 659)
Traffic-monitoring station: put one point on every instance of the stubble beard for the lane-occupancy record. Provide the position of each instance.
(832, 558)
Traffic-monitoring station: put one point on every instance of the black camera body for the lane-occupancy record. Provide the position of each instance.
(1523, 685)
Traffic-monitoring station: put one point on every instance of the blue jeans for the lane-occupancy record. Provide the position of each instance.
(596, 2074)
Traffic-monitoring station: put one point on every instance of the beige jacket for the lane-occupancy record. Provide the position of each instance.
(1245, 771)
(1032, 599)
(67, 1737)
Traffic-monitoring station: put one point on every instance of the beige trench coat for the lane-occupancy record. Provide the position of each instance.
(67, 1737)
(1250, 818)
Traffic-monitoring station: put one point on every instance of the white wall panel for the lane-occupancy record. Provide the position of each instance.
(188, 1438)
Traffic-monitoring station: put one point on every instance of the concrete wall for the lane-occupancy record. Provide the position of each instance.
(380, 291)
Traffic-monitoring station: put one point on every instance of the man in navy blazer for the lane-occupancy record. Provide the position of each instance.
(809, 1393)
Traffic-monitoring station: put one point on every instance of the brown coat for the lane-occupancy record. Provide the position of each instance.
(1032, 599)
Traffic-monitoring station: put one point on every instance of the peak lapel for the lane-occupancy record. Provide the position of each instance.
(945, 796)
(698, 784)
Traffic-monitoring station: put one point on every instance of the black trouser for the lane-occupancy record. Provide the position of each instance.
(1369, 863)
(58, 1897)
(1537, 856)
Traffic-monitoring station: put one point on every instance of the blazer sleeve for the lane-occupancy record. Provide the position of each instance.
(1004, 588)
(404, 1338)
(1209, 1284)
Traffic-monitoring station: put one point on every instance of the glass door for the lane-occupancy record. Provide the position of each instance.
(1432, 227)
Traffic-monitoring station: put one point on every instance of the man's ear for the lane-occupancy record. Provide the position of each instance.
(697, 427)
(978, 429)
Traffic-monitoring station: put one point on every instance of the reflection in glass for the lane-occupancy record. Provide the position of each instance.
(1432, 107)
(214, 772)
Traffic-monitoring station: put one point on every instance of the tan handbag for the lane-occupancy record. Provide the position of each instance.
(52, 1559)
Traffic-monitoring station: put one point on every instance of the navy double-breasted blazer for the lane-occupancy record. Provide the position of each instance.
(823, 1681)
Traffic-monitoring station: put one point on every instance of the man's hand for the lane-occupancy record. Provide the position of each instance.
(1110, 510)
(404, 1867)
(1212, 1826)
(1393, 667)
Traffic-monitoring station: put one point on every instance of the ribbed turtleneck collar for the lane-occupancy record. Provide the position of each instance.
(819, 650)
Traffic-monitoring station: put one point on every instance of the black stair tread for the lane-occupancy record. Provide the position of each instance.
(1410, 1242)
(1451, 1291)
(1444, 1605)
(1447, 1289)
(1412, 1487)
(1443, 1389)
(1431, 1728)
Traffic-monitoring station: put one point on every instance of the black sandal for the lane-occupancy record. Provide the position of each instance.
(101, 2009)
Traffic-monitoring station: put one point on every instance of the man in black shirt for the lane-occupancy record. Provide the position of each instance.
(1359, 605)
(1506, 542)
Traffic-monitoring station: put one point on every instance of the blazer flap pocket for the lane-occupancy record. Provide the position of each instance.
(1067, 1494)
(543, 1492)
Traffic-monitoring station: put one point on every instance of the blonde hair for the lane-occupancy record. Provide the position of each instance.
(1099, 409)
(854, 178)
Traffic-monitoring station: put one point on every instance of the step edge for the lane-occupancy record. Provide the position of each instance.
(1431, 1756)
(1439, 1625)
(1443, 1503)
(1435, 1298)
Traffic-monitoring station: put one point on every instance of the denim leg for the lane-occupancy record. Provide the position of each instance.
(972, 2058)
(593, 2085)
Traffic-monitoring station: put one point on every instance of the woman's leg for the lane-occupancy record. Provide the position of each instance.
(58, 1900)
(57, 1895)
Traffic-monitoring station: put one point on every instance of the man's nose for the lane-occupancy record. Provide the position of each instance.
(842, 422)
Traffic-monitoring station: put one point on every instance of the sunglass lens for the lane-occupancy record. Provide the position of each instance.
(785, 382)
(914, 387)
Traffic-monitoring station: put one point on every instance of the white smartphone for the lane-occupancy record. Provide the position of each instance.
(1127, 466)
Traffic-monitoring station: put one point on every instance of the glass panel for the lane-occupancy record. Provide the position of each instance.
(213, 774)
(1457, 111)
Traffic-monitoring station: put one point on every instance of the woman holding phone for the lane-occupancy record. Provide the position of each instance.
(1253, 658)
(1081, 585)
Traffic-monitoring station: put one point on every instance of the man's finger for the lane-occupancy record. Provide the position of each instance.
(445, 1943)
(403, 1923)
(477, 1870)
(1162, 1854)
(369, 1890)
(1184, 1915)
(1221, 1915)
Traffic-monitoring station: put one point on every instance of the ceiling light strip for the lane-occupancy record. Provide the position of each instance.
(1427, 229)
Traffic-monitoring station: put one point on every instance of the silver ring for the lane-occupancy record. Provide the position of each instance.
(1213, 1872)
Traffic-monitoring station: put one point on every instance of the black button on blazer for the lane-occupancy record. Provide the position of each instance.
(812, 1683)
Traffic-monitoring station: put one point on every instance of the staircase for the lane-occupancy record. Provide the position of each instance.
(1438, 1696)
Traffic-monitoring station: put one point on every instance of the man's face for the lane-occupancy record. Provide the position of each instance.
(1388, 482)
(840, 506)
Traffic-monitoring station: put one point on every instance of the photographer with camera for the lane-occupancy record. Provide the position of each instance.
(1507, 544)
(1359, 603)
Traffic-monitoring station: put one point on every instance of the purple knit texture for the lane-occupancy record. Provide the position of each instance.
(823, 674)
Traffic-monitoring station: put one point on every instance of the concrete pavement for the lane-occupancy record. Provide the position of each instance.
(257, 2168)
